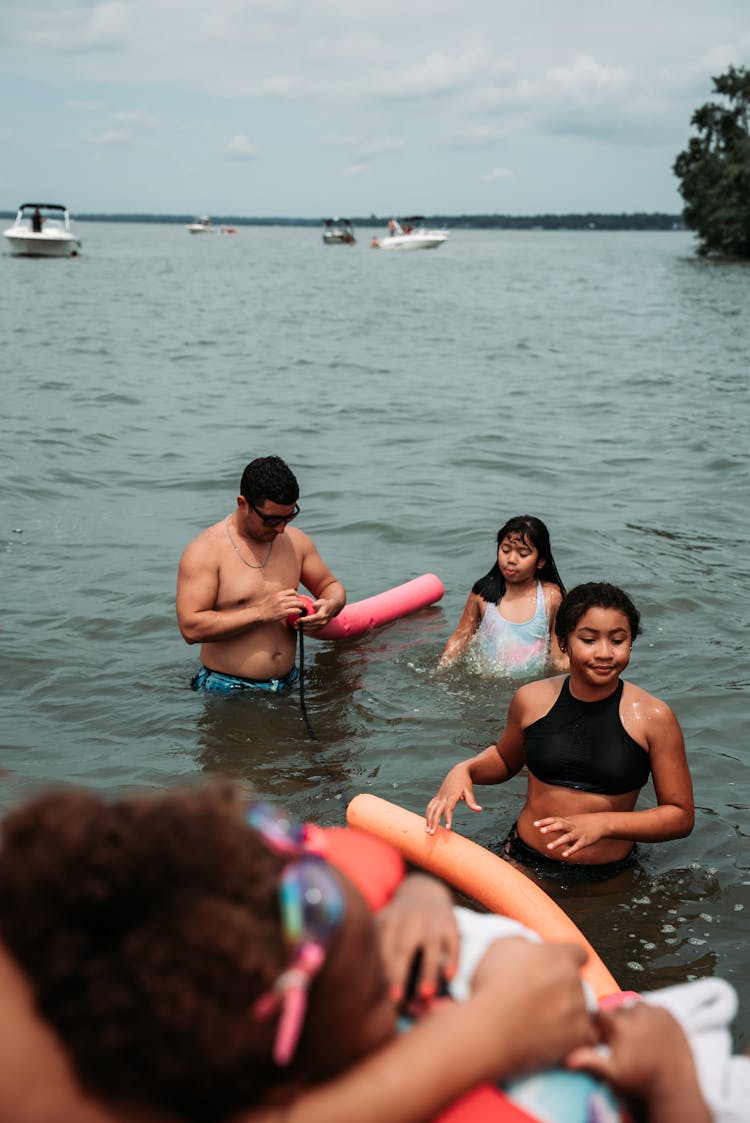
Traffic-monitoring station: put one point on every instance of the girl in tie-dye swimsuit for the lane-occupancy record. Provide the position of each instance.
(511, 610)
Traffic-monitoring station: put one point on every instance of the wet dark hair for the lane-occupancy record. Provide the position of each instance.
(268, 477)
(593, 594)
(491, 587)
(148, 927)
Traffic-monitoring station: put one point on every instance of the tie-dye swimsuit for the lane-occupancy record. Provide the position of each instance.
(520, 648)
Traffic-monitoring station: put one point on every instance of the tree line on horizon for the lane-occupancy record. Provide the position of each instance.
(588, 221)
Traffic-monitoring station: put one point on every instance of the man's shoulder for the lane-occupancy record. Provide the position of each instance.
(207, 542)
(301, 542)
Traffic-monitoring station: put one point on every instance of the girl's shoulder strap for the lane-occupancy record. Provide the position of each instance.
(553, 589)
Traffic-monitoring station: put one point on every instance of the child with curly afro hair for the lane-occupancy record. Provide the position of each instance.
(197, 958)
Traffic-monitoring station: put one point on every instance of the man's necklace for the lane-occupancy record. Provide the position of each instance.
(251, 565)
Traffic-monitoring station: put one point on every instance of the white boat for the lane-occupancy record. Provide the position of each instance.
(338, 232)
(409, 234)
(201, 226)
(42, 230)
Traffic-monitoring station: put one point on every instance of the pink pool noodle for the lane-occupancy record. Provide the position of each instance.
(361, 615)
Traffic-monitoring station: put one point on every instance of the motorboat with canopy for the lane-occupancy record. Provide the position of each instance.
(410, 234)
(201, 226)
(338, 232)
(42, 230)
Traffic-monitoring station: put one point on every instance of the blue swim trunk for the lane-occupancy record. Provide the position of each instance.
(216, 682)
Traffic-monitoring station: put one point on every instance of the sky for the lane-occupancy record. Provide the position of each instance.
(315, 108)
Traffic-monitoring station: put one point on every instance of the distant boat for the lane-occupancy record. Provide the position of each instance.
(42, 230)
(338, 232)
(406, 234)
(201, 226)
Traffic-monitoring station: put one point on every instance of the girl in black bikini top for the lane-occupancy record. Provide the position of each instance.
(585, 768)
(583, 745)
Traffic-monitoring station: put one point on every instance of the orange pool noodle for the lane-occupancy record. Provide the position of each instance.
(480, 874)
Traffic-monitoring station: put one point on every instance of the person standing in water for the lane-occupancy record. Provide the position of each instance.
(237, 585)
(512, 609)
(589, 741)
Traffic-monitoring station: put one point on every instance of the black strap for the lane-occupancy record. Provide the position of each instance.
(300, 630)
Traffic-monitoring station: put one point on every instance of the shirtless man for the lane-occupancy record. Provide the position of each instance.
(237, 584)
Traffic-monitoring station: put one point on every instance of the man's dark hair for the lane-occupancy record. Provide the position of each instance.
(268, 477)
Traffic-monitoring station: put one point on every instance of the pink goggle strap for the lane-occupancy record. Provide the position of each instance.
(290, 993)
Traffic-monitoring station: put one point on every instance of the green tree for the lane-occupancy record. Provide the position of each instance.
(714, 169)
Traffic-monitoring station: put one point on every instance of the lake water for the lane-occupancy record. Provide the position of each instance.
(596, 380)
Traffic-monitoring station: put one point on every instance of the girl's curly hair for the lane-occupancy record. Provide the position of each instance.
(593, 594)
(148, 926)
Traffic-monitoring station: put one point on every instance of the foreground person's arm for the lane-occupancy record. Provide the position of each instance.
(528, 1002)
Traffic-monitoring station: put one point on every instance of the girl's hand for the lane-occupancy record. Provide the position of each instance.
(647, 1057)
(575, 832)
(418, 923)
(537, 999)
(455, 787)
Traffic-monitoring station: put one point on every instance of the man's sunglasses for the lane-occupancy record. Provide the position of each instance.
(274, 520)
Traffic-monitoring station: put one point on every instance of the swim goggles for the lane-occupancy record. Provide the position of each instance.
(311, 904)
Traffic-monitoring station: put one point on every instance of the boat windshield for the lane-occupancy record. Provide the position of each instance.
(41, 215)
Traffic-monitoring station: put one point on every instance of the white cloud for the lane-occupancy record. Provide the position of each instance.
(135, 119)
(497, 175)
(385, 145)
(108, 24)
(474, 136)
(357, 169)
(434, 74)
(112, 138)
(723, 55)
(78, 106)
(584, 77)
(279, 86)
(338, 140)
(240, 148)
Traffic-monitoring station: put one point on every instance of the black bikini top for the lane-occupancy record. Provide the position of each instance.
(583, 745)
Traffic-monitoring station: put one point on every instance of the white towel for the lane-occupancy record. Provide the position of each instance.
(705, 1009)
(479, 930)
